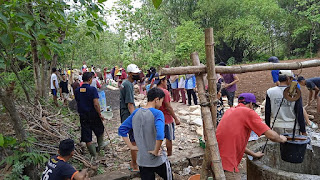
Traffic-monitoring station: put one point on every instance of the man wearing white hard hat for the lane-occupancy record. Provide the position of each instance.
(127, 106)
(288, 112)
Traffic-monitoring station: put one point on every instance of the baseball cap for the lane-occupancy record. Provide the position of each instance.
(247, 97)
(300, 78)
(286, 72)
(158, 78)
(273, 59)
(133, 68)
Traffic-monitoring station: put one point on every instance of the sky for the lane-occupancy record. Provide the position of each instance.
(111, 20)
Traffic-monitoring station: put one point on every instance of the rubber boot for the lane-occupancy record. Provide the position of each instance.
(92, 150)
(100, 143)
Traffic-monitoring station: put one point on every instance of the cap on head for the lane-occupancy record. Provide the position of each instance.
(132, 68)
(158, 78)
(300, 78)
(247, 97)
(222, 64)
(287, 73)
(273, 59)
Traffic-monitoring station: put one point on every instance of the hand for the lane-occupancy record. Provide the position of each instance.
(226, 85)
(101, 117)
(283, 139)
(154, 152)
(177, 121)
(258, 154)
(134, 148)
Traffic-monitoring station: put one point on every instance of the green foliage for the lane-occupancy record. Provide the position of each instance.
(156, 3)
(19, 156)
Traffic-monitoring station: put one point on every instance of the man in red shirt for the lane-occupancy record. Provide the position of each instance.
(169, 115)
(234, 131)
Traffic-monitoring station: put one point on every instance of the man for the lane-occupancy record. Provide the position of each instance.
(275, 73)
(169, 115)
(234, 131)
(57, 166)
(75, 85)
(127, 106)
(64, 91)
(289, 111)
(190, 86)
(90, 116)
(84, 67)
(230, 85)
(148, 126)
(313, 85)
(54, 86)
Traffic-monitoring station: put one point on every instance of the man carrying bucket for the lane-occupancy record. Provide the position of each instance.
(232, 140)
(285, 112)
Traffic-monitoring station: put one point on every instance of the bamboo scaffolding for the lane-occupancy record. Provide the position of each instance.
(240, 68)
(211, 143)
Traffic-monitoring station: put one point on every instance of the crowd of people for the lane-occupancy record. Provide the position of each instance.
(145, 128)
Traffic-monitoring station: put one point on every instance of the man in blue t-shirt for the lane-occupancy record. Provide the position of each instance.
(148, 128)
(90, 115)
(313, 85)
(275, 73)
(57, 166)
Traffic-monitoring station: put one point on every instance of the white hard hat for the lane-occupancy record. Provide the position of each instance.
(133, 68)
(288, 73)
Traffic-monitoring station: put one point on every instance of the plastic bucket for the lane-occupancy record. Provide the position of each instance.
(194, 177)
(294, 151)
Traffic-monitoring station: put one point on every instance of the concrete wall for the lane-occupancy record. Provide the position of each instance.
(272, 167)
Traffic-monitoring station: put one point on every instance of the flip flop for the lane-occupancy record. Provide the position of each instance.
(132, 170)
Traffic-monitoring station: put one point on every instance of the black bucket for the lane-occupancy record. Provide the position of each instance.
(294, 151)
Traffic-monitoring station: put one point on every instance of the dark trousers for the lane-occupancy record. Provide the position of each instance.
(191, 92)
(164, 171)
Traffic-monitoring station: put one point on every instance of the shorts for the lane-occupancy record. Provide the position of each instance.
(65, 95)
(90, 121)
(164, 171)
(169, 131)
(124, 114)
(54, 92)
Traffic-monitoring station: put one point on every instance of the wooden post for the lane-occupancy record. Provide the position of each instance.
(211, 143)
(211, 74)
(241, 68)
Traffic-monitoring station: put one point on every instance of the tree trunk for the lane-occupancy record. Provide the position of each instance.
(54, 61)
(8, 103)
(241, 68)
(36, 69)
(211, 143)
(43, 78)
(13, 68)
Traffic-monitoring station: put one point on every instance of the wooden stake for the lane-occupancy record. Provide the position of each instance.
(240, 68)
(211, 143)
(211, 75)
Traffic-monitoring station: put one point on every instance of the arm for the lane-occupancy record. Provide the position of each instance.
(310, 97)
(124, 129)
(267, 112)
(129, 144)
(81, 175)
(98, 84)
(236, 79)
(318, 104)
(97, 107)
(54, 84)
(255, 155)
(316, 91)
(170, 110)
(130, 107)
(157, 147)
(275, 137)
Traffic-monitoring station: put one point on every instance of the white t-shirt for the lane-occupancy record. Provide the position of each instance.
(54, 77)
(80, 78)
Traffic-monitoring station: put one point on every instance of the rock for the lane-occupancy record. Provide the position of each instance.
(183, 112)
(193, 108)
(197, 121)
(140, 96)
(196, 112)
(184, 118)
(199, 131)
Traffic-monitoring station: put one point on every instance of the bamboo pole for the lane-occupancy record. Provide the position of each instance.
(211, 74)
(211, 143)
(241, 68)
